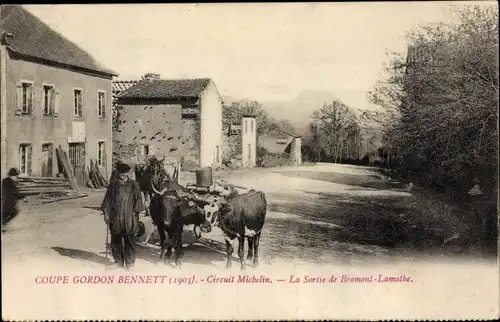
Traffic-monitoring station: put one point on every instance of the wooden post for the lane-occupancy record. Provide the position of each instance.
(178, 172)
(3, 98)
(63, 158)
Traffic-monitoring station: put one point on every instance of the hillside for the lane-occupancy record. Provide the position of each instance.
(298, 110)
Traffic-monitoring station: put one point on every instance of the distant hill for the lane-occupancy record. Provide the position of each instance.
(298, 110)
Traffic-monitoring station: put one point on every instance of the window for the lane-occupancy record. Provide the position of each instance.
(48, 99)
(101, 153)
(246, 126)
(217, 159)
(25, 159)
(78, 101)
(281, 141)
(251, 126)
(27, 98)
(145, 150)
(101, 104)
(234, 129)
(190, 112)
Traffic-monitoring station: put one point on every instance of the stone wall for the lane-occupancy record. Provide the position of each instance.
(190, 143)
(157, 125)
(231, 147)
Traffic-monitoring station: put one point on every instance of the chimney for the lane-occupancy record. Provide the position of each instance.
(151, 76)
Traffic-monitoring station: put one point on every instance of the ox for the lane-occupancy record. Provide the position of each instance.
(239, 216)
(169, 212)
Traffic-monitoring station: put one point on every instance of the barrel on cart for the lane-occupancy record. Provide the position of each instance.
(204, 181)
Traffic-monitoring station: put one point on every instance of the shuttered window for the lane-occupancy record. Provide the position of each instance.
(101, 153)
(101, 104)
(55, 106)
(48, 104)
(24, 98)
(78, 103)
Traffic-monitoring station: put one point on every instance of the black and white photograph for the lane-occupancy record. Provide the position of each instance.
(250, 161)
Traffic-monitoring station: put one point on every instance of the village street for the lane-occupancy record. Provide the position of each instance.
(306, 220)
(316, 224)
(323, 214)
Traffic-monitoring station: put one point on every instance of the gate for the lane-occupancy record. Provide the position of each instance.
(77, 160)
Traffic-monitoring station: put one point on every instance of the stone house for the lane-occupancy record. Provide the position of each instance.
(282, 144)
(53, 94)
(179, 119)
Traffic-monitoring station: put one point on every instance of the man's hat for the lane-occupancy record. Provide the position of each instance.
(13, 172)
(122, 167)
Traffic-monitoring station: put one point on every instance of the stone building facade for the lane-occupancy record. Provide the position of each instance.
(54, 94)
(177, 119)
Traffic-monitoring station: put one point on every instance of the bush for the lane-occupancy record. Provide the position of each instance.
(277, 160)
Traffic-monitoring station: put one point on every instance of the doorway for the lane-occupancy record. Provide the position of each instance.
(77, 160)
(46, 160)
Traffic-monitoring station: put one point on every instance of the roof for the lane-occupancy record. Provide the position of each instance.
(270, 143)
(288, 133)
(33, 38)
(166, 89)
(121, 85)
(276, 128)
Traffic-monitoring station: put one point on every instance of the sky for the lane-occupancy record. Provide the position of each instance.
(254, 51)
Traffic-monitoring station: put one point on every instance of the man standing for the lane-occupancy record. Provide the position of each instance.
(114, 173)
(10, 196)
(121, 207)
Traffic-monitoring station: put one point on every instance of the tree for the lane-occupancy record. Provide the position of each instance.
(439, 116)
(337, 129)
(233, 114)
(312, 143)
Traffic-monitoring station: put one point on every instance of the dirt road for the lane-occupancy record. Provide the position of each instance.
(324, 214)
(321, 219)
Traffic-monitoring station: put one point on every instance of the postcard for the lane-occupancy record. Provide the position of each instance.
(250, 161)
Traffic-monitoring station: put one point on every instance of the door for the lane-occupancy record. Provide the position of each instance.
(46, 160)
(77, 160)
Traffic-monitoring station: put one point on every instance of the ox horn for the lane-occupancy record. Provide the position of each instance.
(158, 192)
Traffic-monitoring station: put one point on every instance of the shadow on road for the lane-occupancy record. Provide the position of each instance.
(205, 252)
(81, 255)
(92, 208)
(195, 254)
